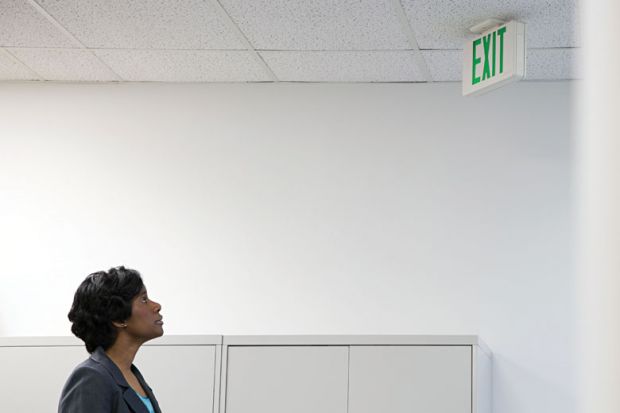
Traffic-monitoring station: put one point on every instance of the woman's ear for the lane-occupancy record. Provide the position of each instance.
(119, 325)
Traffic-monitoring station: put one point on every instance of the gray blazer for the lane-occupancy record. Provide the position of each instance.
(98, 386)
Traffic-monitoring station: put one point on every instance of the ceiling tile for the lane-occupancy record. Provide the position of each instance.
(444, 24)
(318, 24)
(444, 65)
(145, 24)
(184, 65)
(542, 64)
(11, 69)
(553, 64)
(380, 66)
(23, 26)
(64, 64)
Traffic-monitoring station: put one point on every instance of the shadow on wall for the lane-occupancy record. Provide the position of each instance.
(512, 382)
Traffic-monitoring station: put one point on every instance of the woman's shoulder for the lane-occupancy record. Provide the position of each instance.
(89, 366)
(91, 373)
(88, 388)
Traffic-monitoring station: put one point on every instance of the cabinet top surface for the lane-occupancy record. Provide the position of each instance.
(281, 340)
(446, 340)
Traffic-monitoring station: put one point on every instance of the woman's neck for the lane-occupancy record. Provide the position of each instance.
(122, 353)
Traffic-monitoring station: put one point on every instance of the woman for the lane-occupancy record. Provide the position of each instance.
(114, 316)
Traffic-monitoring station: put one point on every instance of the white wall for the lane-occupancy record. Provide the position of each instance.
(302, 209)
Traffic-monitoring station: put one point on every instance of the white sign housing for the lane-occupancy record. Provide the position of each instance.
(494, 59)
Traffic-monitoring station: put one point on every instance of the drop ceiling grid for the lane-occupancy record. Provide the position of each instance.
(155, 36)
(243, 39)
(184, 65)
(327, 41)
(318, 25)
(66, 64)
(345, 66)
(365, 40)
(21, 25)
(144, 24)
(12, 69)
(43, 47)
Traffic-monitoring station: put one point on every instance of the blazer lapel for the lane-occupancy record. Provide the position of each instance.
(100, 357)
(129, 394)
(147, 389)
(133, 401)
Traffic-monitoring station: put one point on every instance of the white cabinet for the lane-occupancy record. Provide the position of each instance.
(31, 378)
(355, 374)
(286, 379)
(182, 377)
(271, 374)
(182, 370)
(404, 379)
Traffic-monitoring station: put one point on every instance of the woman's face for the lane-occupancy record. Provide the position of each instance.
(145, 321)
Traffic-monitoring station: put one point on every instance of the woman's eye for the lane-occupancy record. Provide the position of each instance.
(144, 299)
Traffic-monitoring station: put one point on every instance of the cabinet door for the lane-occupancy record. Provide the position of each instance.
(31, 378)
(182, 377)
(411, 379)
(287, 379)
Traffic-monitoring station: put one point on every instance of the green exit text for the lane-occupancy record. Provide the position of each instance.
(490, 47)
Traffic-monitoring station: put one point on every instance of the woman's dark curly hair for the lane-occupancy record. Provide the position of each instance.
(103, 297)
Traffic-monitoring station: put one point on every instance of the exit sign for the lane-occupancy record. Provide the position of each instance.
(494, 59)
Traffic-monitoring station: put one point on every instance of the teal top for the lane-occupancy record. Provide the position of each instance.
(147, 403)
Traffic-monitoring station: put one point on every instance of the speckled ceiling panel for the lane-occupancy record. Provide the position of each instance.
(542, 64)
(145, 24)
(64, 64)
(318, 24)
(444, 24)
(444, 65)
(553, 64)
(21, 25)
(12, 69)
(379, 66)
(184, 65)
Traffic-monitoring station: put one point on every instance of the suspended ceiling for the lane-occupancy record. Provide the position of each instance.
(270, 40)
